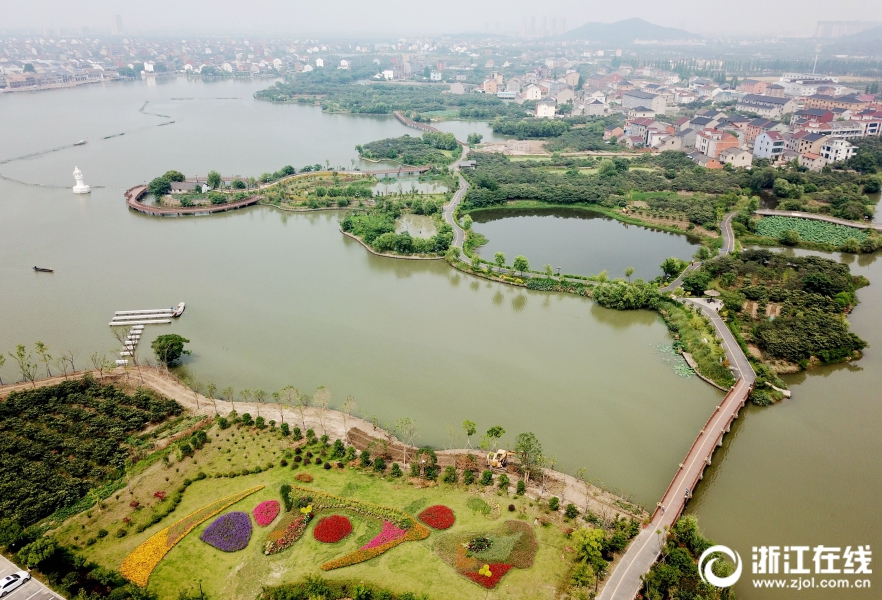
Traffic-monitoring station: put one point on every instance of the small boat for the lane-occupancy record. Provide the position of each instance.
(178, 310)
(81, 143)
(43, 270)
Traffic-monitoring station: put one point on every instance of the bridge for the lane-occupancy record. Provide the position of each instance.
(625, 581)
(407, 122)
(133, 199)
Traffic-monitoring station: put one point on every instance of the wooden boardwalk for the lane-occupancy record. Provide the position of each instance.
(133, 199)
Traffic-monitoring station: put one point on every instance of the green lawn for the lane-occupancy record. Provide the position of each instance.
(412, 566)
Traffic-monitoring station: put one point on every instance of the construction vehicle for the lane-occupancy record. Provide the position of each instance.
(499, 459)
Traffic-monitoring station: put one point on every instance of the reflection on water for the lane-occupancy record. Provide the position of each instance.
(422, 226)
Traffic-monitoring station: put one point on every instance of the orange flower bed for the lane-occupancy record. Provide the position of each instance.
(138, 565)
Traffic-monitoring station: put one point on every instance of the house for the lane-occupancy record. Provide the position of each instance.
(805, 141)
(870, 120)
(546, 108)
(513, 85)
(532, 92)
(566, 95)
(669, 142)
(635, 98)
(766, 106)
(812, 161)
(712, 142)
(595, 108)
(736, 157)
(572, 78)
(435, 76)
(705, 161)
(752, 86)
(507, 95)
(457, 88)
(770, 145)
(613, 131)
(757, 126)
(826, 102)
(776, 90)
(812, 114)
(182, 187)
(839, 129)
(491, 86)
(837, 150)
(686, 97)
(640, 112)
(686, 137)
(699, 123)
(631, 141)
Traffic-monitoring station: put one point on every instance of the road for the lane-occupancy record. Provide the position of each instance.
(32, 590)
(450, 208)
(626, 580)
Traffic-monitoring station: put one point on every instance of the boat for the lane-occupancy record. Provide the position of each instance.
(179, 310)
(43, 270)
(81, 143)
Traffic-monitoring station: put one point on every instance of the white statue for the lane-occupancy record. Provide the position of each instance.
(80, 187)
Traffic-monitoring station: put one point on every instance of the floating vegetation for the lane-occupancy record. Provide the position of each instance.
(670, 356)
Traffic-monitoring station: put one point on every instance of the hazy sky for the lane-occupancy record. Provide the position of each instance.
(301, 18)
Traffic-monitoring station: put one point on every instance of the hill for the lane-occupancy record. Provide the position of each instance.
(625, 32)
(863, 43)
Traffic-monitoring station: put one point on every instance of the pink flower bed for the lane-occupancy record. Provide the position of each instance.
(266, 512)
(389, 533)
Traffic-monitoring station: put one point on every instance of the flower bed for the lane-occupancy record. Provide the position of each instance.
(437, 517)
(418, 532)
(389, 533)
(230, 532)
(485, 558)
(286, 533)
(138, 565)
(266, 512)
(489, 575)
(332, 529)
(304, 477)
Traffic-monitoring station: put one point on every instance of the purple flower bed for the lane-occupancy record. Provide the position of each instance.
(387, 534)
(265, 512)
(230, 532)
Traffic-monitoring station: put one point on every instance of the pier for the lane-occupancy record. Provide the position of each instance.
(136, 320)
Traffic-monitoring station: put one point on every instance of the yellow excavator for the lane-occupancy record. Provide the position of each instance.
(499, 459)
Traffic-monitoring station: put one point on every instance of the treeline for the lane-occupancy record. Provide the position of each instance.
(497, 180)
(571, 134)
(426, 150)
(376, 227)
(813, 293)
(60, 441)
(338, 93)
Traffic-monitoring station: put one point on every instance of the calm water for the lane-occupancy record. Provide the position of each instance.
(277, 298)
(581, 242)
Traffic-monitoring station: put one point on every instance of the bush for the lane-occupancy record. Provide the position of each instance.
(327, 466)
(379, 465)
(511, 508)
(396, 470)
(487, 477)
(297, 434)
(260, 423)
(285, 429)
(554, 503)
(365, 459)
(521, 488)
(449, 475)
(503, 482)
(102, 533)
(571, 511)
(431, 473)
(468, 477)
(223, 423)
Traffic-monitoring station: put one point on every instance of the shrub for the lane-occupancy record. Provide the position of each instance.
(260, 423)
(327, 466)
(283, 462)
(503, 482)
(285, 429)
(297, 434)
(511, 508)
(318, 460)
(246, 419)
(449, 475)
(431, 473)
(414, 469)
(437, 517)
(101, 533)
(468, 477)
(571, 511)
(285, 492)
(304, 477)
(487, 477)
(223, 423)
(554, 503)
(521, 488)
(365, 458)
(396, 470)
(379, 465)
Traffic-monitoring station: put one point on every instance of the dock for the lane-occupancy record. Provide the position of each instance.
(136, 320)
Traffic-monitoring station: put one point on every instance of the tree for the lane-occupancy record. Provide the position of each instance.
(548, 271)
(521, 264)
(2, 362)
(628, 272)
(260, 397)
(29, 68)
(499, 259)
(530, 452)
(100, 363)
(588, 545)
(169, 348)
(213, 180)
(467, 222)
(474, 139)
(470, 428)
(790, 237)
(229, 393)
(671, 267)
(211, 390)
(27, 368)
(287, 396)
(407, 429)
(37, 551)
(159, 187)
(347, 409)
(303, 402)
(173, 176)
(321, 399)
(43, 350)
(489, 441)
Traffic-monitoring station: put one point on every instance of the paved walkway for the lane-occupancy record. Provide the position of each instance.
(814, 217)
(32, 590)
(625, 582)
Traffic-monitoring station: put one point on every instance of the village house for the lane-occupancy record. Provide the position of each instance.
(812, 161)
(770, 145)
(837, 150)
(758, 126)
(635, 98)
(805, 141)
(613, 131)
(736, 157)
(546, 108)
(776, 90)
(753, 86)
(825, 102)
(712, 142)
(705, 161)
(640, 112)
(532, 92)
(766, 106)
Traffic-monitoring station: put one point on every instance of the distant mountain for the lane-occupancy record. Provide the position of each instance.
(625, 32)
(865, 43)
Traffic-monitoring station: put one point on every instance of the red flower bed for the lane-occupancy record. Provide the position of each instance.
(437, 517)
(266, 512)
(332, 529)
(497, 571)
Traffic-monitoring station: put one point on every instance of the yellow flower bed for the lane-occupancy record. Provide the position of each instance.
(138, 565)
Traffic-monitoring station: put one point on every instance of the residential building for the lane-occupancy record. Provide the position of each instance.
(572, 78)
(640, 112)
(566, 95)
(805, 141)
(635, 98)
(776, 90)
(812, 161)
(507, 95)
(736, 157)
(825, 102)
(546, 108)
(757, 126)
(457, 88)
(770, 145)
(752, 86)
(712, 142)
(595, 108)
(705, 161)
(532, 92)
(613, 131)
(766, 106)
(837, 150)
(490, 86)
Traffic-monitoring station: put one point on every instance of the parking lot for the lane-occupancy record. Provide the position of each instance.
(32, 590)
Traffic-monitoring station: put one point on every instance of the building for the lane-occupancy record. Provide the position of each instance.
(837, 150)
(546, 108)
(532, 92)
(805, 141)
(705, 161)
(812, 161)
(770, 145)
(116, 25)
(712, 142)
(635, 98)
(490, 86)
(736, 157)
(435, 76)
(753, 86)
(766, 106)
(758, 126)
(457, 88)
(825, 102)
(613, 131)
(640, 112)
(507, 95)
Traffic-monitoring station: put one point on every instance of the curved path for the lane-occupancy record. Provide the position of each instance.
(626, 580)
(134, 195)
(450, 207)
(728, 248)
(765, 212)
